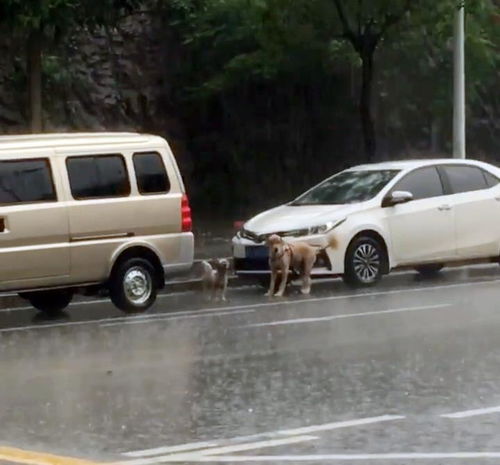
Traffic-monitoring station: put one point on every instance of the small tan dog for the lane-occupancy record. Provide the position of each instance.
(214, 279)
(298, 256)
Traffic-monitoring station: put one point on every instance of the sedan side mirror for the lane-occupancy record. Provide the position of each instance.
(397, 197)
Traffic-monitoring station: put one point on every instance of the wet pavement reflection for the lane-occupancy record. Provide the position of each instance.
(95, 384)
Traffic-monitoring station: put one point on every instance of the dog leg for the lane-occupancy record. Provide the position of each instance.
(285, 267)
(306, 275)
(206, 291)
(272, 284)
(223, 292)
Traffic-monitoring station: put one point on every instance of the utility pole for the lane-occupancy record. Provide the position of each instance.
(459, 85)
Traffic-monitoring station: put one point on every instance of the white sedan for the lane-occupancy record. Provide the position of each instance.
(422, 214)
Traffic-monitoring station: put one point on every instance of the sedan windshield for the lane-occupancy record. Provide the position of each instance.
(347, 187)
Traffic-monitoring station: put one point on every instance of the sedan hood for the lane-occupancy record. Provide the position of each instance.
(288, 218)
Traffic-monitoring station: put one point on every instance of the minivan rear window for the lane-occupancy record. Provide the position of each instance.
(150, 172)
(98, 176)
(26, 181)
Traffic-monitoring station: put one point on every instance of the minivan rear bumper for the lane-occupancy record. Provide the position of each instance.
(184, 260)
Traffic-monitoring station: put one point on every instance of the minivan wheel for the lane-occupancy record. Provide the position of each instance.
(133, 285)
(50, 302)
(364, 262)
(429, 271)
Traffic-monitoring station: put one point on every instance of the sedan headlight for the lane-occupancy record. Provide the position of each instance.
(311, 231)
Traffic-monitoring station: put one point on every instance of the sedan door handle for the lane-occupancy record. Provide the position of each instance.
(444, 207)
(497, 198)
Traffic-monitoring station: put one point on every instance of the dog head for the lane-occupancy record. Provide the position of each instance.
(221, 265)
(276, 245)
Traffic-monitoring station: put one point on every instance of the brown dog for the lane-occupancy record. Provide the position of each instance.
(298, 256)
(214, 279)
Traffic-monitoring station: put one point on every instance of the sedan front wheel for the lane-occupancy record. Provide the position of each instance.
(364, 262)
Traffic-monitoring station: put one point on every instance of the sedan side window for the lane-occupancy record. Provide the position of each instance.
(465, 178)
(423, 183)
(490, 179)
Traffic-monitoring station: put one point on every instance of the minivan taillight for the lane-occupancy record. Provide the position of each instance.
(187, 221)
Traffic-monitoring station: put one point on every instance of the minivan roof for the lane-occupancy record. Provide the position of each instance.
(74, 138)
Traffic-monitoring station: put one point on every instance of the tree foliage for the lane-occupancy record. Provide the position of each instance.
(41, 22)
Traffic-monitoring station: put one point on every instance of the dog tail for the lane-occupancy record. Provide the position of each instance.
(207, 267)
(332, 242)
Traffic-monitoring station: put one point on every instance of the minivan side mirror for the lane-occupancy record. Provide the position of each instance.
(397, 197)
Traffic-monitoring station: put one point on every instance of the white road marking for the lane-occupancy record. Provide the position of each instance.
(122, 320)
(343, 316)
(472, 413)
(268, 304)
(219, 450)
(77, 303)
(274, 434)
(170, 318)
(340, 424)
(326, 458)
(170, 449)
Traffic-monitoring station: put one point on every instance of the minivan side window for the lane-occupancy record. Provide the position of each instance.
(151, 174)
(423, 183)
(465, 178)
(26, 181)
(98, 176)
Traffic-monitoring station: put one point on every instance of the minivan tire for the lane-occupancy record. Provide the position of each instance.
(365, 261)
(51, 302)
(133, 285)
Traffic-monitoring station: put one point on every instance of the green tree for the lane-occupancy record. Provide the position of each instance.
(416, 79)
(365, 24)
(41, 22)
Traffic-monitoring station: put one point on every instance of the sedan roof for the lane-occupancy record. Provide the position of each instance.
(411, 164)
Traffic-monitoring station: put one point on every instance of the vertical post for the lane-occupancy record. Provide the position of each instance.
(459, 85)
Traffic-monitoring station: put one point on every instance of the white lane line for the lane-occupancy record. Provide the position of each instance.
(170, 318)
(170, 449)
(280, 433)
(273, 304)
(122, 320)
(472, 413)
(193, 456)
(343, 316)
(340, 424)
(77, 303)
(327, 458)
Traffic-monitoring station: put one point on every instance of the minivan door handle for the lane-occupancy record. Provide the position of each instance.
(444, 207)
(2, 225)
(497, 198)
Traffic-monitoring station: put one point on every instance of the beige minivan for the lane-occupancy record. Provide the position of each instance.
(91, 211)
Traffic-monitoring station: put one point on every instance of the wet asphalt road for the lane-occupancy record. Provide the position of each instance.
(406, 372)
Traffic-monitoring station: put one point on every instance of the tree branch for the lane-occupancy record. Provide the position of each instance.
(360, 9)
(343, 18)
(393, 18)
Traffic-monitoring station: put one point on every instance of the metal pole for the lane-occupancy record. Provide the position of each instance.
(459, 86)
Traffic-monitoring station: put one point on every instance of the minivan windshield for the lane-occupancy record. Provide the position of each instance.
(347, 187)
